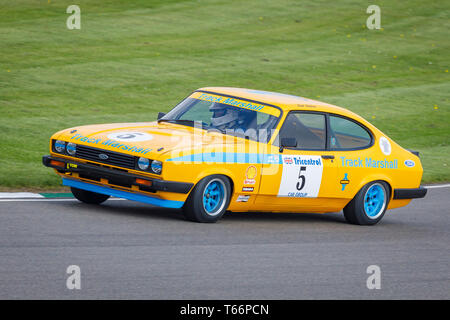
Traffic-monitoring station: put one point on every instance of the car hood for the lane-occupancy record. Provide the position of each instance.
(151, 139)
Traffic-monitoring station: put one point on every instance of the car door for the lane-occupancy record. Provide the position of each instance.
(350, 141)
(305, 175)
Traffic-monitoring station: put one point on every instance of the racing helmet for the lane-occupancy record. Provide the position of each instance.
(223, 115)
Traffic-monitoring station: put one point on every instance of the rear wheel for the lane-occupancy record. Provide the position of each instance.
(88, 196)
(369, 204)
(209, 199)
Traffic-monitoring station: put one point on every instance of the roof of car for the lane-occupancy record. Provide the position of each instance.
(286, 102)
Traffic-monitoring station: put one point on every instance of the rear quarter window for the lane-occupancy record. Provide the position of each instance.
(347, 134)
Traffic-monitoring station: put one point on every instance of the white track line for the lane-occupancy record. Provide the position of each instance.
(15, 195)
(438, 186)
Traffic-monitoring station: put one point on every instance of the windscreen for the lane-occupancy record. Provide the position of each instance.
(227, 115)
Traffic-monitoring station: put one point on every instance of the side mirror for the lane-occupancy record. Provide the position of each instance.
(161, 114)
(287, 143)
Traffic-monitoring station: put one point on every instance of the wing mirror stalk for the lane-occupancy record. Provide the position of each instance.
(160, 115)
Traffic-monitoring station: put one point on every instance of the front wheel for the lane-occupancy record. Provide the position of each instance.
(209, 199)
(369, 204)
(88, 196)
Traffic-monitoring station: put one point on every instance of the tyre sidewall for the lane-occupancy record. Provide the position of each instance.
(360, 213)
(88, 197)
(194, 207)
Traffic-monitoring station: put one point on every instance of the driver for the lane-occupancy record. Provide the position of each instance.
(224, 117)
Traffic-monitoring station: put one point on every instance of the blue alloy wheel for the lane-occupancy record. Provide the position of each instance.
(209, 199)
(374, 201)
(214, 197)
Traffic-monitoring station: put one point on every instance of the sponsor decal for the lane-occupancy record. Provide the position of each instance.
(110, 143)
(385, 146)
(345, 181)
(130, 136)
(302, 176)
(231, 101)
(249, 105)
(242, 198)
(79, 137)
(71, 165)
(247, 189)
(410, 163)
(369, 163)
(251, 172)
(250, 175)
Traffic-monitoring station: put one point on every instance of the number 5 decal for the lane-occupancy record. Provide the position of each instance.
(301, 177)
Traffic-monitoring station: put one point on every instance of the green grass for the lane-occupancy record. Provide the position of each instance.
(132, 59)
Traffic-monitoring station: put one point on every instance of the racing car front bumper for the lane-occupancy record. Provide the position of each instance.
(91, 178)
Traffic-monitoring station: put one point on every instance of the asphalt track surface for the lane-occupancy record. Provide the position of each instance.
(128, 250)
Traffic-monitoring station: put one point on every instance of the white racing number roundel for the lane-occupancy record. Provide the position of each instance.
(302, 176)
(385, 146)
(130, 136)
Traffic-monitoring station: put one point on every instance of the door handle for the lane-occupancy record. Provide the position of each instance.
(327, 157)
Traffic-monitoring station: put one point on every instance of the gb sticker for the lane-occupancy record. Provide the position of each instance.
(302, 176)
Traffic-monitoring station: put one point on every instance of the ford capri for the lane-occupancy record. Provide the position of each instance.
(231, 149)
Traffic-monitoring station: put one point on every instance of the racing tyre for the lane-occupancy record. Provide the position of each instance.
(208, 200)
(89, 196)
(369, 204)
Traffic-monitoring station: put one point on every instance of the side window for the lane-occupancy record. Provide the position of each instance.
(307, 128)
(346, 134)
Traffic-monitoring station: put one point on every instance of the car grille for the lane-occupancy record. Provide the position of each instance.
(114, 158)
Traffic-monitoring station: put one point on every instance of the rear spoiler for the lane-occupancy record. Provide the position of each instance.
(414, 152)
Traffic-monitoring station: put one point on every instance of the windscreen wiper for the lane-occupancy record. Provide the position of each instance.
(184, 121)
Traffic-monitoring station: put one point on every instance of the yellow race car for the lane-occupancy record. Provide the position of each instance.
(242, 150)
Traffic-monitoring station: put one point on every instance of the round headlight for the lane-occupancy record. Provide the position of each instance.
(71, 148)
(143, 163)
(156, 166)
(60, 146)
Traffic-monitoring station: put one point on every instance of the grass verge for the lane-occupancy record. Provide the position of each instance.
(133, 59)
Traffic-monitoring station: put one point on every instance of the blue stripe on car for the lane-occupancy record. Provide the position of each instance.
(122, 194)
(230, 157)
